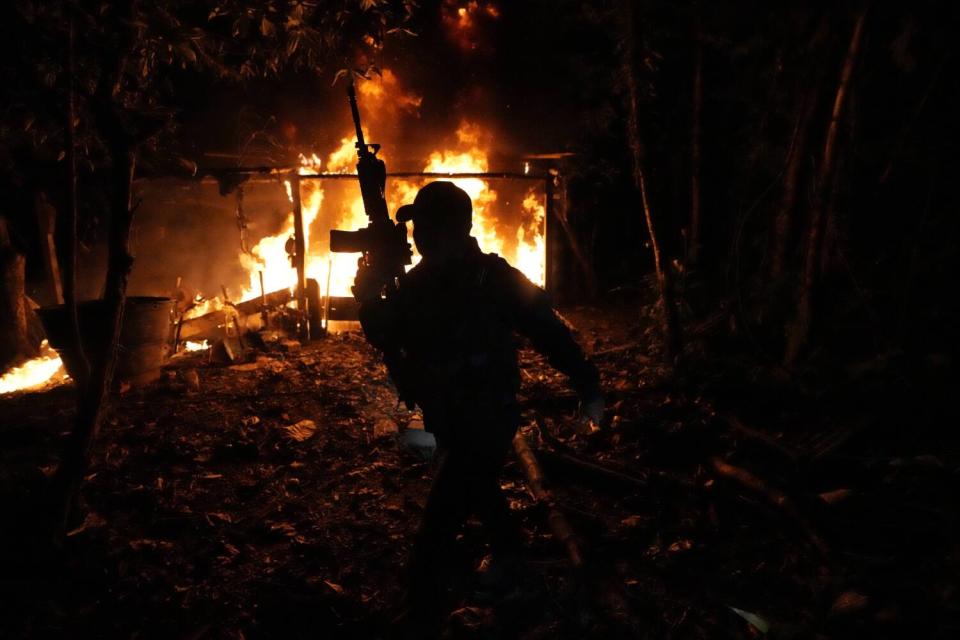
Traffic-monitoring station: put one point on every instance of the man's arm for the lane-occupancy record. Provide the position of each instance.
(381, 318)
(536, 319)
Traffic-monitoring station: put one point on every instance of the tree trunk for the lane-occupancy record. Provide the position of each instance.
(784, 221)
(830, 246)
(799, 330)
(69, 245)
(670, 323)
(15, 343)
(693, 250)
(93, 401)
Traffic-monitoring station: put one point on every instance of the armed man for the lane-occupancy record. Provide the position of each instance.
(446, 330)
(450, 326)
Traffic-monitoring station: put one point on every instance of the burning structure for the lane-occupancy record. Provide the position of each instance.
(510, 219)
(301, 204)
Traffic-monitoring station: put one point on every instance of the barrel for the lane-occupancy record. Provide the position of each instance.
(144, 336)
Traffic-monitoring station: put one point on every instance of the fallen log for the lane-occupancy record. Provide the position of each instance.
(592, 468)
(608, 593)
(617, 349)
(565, 455)
(774, 496)
(559, 525)
(736, 426)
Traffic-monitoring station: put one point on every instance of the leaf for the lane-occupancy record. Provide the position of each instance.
(92, 521)
(187, 52)
(835, 496)
(340, 74)
(189, 165)
(301, 431)
(267, 28)
(292, 45)
(849, 602)
(219, 515)
(402, 30)
(756, 621)
(632, 521)
(333, 585)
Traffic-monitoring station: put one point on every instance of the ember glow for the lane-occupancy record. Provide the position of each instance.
(45, 370)
(462, 20)
(191, 345)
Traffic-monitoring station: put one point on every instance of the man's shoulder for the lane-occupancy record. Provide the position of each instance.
(494, 263)
(487, 270)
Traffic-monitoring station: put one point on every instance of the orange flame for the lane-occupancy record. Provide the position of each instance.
(191, 345)
(45, 370)
(523, 246)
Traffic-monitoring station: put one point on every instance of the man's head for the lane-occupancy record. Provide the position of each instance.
(442, 215)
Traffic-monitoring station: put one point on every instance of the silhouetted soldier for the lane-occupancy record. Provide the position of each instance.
(450, 331)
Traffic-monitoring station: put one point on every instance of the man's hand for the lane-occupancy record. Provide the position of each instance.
(367, 287)
(591, 410)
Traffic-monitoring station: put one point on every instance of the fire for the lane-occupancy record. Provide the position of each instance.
(35, 374)
(191, 345)
(270, 255)
(344, 158)
(383, 97)
(466, 156)
(386, 93)
(202, 306)
(469, 157)
(340, 267)
(531, 244)
(463, 20)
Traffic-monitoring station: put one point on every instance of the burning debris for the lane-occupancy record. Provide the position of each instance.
(42, 372)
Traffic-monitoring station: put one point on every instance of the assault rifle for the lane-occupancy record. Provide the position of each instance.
(384, 248)
(382, 243)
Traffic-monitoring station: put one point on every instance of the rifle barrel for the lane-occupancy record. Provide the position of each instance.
(355, 112)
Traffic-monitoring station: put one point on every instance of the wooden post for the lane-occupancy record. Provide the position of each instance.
(551, 272)
(299, 240)
(557, 212)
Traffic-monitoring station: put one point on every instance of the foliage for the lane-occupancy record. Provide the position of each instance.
(136, 59)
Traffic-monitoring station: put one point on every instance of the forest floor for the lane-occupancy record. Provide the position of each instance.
(278, 497)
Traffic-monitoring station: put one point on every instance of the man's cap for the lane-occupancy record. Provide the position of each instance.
(438, 201)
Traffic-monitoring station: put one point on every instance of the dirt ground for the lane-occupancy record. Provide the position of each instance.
(277, 497)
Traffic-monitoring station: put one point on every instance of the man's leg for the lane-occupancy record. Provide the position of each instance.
(448, 506)
(491, 506)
